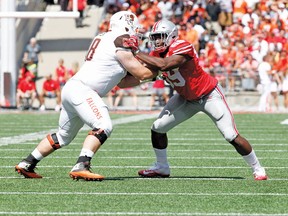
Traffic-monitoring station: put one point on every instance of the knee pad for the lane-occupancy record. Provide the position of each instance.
(229, 134)
(157, 127)
(99, 134)
(53, 140)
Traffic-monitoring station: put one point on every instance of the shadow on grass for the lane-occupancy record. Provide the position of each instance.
(177, 177)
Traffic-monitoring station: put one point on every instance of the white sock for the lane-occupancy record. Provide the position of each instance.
(161, 155)
(86, 152)
(252, 160)
(37, 155)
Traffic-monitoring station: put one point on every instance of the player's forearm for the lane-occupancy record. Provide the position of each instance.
(128, 81)
(155, 62)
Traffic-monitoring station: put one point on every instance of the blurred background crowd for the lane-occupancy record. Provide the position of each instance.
(243, 43)
(232, 37)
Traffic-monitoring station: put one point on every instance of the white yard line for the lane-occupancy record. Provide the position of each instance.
(143, 213)
(40, 135)
(141, 194)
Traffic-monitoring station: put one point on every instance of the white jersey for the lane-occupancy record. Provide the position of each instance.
(101, 70)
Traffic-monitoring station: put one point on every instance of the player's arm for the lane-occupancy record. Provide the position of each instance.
(128, 81)
(135, 68)
(163, 64)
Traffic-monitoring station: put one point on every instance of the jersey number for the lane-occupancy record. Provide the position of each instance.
(92, 49)
(175, 78)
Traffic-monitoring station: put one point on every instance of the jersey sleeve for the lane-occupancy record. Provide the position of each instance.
(182, 47)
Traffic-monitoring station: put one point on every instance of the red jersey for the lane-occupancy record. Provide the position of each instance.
(61, 74)
(25, 85)
(189, 80)
(51, 85)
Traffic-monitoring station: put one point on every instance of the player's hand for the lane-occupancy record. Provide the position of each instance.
(132, 43)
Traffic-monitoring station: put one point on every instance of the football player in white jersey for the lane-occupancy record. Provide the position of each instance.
(107, 63)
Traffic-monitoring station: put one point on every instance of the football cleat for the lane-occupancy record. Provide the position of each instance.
(260, 174)
(82, 171)
(156, 171)
(27, 170)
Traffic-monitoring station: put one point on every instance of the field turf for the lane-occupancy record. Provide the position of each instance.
(208, 177)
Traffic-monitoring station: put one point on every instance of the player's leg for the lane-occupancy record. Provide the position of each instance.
(118, 98)
(217, 109)
(69, 125)
(94, 113)
(175, 111)
(19, 97)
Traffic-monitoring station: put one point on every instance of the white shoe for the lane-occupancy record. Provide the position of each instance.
(157, 170)
(42, 108)
(260, 174)
(57, 108)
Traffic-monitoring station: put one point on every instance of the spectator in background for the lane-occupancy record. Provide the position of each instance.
(283, 14)
(104, 25)
(275, 89)
(32, 52)
(26, 90)
(285, 87)
(248, 69)
(130, 91)
(73, 70)
(187, 32)
(158, 90)
(81, 8)
(148, 13)
(225, 17)
(264, 70)
(63, 4)
(50, 89)
(260, 47)
(213, 10)
(187, 12)
(110, 96)
(239, 9)
(177, 10)
(165, 8)
(61, 74)
(23, 71)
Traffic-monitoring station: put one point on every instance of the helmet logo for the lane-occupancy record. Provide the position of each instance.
(129, 18)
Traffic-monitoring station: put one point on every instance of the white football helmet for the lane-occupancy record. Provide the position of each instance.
(163, 34)
(124, 22)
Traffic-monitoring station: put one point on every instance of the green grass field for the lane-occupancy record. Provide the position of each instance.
(208, 176)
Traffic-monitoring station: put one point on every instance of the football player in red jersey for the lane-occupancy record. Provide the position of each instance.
(107, 62)
(196, 91)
